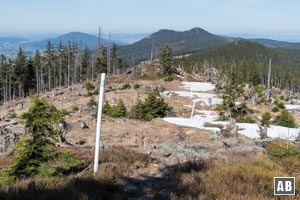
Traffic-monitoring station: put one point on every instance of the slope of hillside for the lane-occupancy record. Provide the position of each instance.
(242, 50)
(276, 43)
(249, 60)
(85, 39)
(11, 40)
(186, 41)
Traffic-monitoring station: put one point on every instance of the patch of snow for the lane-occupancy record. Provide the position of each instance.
(198, 86)
(249, 130)
(238, 103)
(197, 121)
(198, 96)
(292, 107)
(197, 93)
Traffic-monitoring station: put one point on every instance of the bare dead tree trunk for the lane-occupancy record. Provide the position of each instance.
(100, 52)
(60, 80)
(69, 64)
(37, 79)
(108, 56)
(92, 68)
(269, 77)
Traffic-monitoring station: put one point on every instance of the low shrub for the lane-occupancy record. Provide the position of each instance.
(222, 117)
(280, 149)
(90, 88)
(275, 109)
(126, 86)
(245, 119)
(115, 111)
(154, 106)
(136, 86)
(169, 78)
(12, 114)
(285, 119)
(281, 105)
(266, 117)
(92, 103)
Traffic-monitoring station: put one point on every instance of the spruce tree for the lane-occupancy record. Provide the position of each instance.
(166, 59)
(35, 153)
(85, 64)
(232, 91)
(285, 119)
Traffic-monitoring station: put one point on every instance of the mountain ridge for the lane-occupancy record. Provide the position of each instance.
(187, 41)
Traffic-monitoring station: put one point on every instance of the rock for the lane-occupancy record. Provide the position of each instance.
(198, 148)
(83, 125)
(6, 118)
(131, 189)
(14, 121)
(8, 139)
(162, 166)
(45, 97)
(80, 141)
(243, 148)
(113, 101)
(20, 106)
(298, 138)
(262, 142)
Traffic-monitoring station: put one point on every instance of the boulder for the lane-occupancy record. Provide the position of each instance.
(83, 125)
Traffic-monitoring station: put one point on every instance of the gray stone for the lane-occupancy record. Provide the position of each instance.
(243, 148)
(262, 142)
(131, 189)
(83, 125)
(198, 148)
(14, 121)
(20, 106)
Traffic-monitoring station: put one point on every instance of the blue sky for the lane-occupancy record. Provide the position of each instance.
(268, 18)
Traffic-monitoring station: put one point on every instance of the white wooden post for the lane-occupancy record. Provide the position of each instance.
(99, 120)
(193, 108)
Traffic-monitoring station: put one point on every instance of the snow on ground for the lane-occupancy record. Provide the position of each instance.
(198, 86)
(197, 92)
(197, 121)
(292, 107)
(199, 96)
(249, 130)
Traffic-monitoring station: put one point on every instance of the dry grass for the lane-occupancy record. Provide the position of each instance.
(115, 164)
(222, 180)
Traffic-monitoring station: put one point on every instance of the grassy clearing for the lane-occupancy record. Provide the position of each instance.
(115, 164)
(227, 180)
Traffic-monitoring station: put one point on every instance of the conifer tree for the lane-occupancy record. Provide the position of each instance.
(232, 91)
(285, 119)
(35, 152)
(166, 59)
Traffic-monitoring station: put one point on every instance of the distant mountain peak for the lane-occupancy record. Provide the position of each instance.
(197, 30)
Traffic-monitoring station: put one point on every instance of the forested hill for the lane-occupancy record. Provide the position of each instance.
(248, 58)
(186, 41)
(83, 39)
(276, 43)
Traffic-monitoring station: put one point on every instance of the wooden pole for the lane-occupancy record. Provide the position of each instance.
(99, 120)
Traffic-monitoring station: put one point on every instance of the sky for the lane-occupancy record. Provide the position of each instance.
(276, 19)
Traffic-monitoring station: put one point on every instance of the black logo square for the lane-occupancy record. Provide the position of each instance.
(284, 185)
